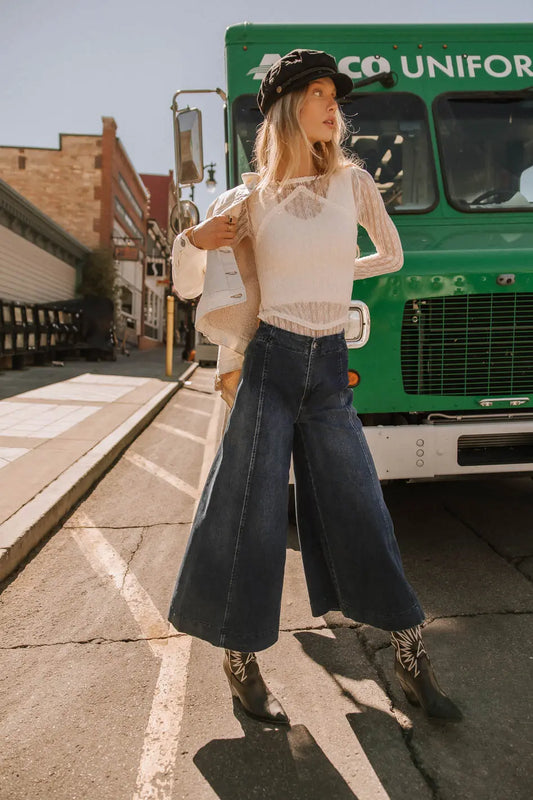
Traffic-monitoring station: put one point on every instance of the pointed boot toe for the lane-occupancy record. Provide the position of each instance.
(254, 695)
(425, 691)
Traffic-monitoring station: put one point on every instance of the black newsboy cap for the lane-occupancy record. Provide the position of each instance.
(297, 69)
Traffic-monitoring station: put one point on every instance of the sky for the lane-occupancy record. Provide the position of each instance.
(66, 63)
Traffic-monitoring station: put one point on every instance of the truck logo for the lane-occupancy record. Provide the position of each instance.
(458, 66)
(260, 71)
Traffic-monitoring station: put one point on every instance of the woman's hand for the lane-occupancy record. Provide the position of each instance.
(229, 382)
(213, 232)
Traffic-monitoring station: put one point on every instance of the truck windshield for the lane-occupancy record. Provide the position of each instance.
(486, 147)
(389, 132)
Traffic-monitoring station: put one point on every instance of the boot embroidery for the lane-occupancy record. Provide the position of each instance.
(409, 648)
(238, 662)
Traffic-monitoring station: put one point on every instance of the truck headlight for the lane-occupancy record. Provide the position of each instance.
(357, 329)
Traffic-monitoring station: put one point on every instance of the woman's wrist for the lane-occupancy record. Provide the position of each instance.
(190, 235)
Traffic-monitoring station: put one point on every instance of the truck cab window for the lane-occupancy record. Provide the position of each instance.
(486, 146)
(389, 132)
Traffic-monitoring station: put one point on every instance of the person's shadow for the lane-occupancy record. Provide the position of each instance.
(278, 762)
(379, 733)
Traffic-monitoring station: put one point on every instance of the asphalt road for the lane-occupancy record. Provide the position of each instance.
(101, 699)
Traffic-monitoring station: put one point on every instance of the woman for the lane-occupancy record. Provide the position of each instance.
(285, 251)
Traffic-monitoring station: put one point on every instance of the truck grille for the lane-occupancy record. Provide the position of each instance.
(495, 448)
(468, 345)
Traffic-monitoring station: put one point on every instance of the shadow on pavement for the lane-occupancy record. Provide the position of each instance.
(139, 364)
(270, 762)
(378, 732)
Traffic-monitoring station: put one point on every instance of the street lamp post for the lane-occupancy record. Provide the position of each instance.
(210, 183)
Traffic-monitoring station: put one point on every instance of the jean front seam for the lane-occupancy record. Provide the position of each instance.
(323, 538)
(306, 385)
(251, 467)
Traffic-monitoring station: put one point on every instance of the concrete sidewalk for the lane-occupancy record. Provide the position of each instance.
(57, 438)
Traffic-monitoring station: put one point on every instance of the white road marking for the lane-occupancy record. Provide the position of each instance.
(155, 777)
(179, 432)
(185, 407)
(107, 563)
(159, 472)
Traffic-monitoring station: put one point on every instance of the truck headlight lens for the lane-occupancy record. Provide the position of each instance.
(357, 329)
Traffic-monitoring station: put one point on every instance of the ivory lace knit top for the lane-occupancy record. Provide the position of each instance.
(304, 239)
(305, 247)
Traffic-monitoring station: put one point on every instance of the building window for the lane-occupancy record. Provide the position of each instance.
(22, 162)
(152, 314)
(129, 194)
(123, 214)
(126, 300)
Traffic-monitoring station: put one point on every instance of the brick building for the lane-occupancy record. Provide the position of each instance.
(162, 191)
(158, 258)
(91, 189)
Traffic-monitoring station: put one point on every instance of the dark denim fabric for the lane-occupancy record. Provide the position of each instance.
(292, 398)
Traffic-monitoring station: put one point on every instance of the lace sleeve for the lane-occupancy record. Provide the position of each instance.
(374, 218)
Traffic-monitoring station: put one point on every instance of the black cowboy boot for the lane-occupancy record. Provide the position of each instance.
(417, 679)
(247, 684)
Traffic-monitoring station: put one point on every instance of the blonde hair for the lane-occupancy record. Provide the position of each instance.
(281, 135)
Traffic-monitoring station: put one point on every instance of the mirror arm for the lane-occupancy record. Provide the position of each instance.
(174, 108)
(387, 80)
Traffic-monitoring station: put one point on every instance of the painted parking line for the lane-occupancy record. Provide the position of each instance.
(160, 472)
(155, 776)
(185, 407)
(180, 432)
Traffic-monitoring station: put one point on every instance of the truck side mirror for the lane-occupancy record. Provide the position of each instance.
(190, 158)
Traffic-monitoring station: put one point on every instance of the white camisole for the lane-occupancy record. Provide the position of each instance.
(305, 247)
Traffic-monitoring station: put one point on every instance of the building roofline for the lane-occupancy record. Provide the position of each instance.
(36, 226)
(54, 149)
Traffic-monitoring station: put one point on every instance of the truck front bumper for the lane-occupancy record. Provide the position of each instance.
(440, 449)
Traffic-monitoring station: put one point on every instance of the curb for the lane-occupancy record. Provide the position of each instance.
(31, 523)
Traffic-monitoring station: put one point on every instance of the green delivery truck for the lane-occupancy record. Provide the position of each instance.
(441, 352)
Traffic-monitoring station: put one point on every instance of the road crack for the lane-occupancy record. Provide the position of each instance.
(406, 732)
(130, 559)
(511, 560)
(94, 640)
(127, 527)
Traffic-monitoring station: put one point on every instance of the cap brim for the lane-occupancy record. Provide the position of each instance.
(343, 83)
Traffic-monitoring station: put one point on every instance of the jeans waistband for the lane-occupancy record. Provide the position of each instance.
(297, 341)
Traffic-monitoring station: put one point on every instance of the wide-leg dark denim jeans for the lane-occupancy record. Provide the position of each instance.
(292, 398)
